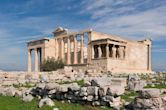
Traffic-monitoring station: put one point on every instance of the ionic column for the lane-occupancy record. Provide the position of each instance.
(89, 49)
(149, 58)
(68, 51)
(100, 52)
(36, 60)
(121, 50)
(42, 54)
(29, 61)
(75, 50)
(113, 52)
(56, 49)
(62, 49)
(82, 49)
(107, 51)
(92, 51)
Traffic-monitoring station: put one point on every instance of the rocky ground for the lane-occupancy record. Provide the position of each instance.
(115, 91)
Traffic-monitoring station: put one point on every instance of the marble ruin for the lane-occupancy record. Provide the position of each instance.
(92, 51)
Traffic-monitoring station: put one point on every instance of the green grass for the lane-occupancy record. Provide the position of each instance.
(15, 103)
(79, 82)
(27, 85)
(160, 86)
(128, 96)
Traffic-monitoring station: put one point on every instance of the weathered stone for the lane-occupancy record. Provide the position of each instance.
(103, 91)
(83, 91)
(133, 78)
(116, 90)
(27, 98)
(101, 81)
(46, 101)
(18, 93)
(52, 91)
(10, 91)
(74, 87)
(63, 88)
(136, 85)
(115, 102)
(40, 85)
(92, 90)
(95, 103)
(51, 86)
(149, 93)
(151, 103)
(89, 98)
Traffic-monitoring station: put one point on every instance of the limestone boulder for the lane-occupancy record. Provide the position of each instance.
(101, 81)
(92, 90)
(46, 101)
(74, 87)
(116, 90)
(89, 98)
(27, 98)
(62, 88)
(10, 91)
(150, 93)
(133, 78)
(50, 86)
(136, 85)
(40, 85)
(83, 91)
(18, 93)
(103, 91)
(150, 104)
(115, 102)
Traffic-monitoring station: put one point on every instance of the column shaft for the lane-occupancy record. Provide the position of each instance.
(92, 51)
(36, 60)
(75, 50)
(149, 60)
(82, 49)
(42, 54)
(62, 49)
(100, 52)
(29, 61)
(56, 49)
(121, 50)
(113, 52)
(89, 49)
(107, 51)
(68, 51)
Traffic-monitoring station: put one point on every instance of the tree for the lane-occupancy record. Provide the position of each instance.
(51, 64)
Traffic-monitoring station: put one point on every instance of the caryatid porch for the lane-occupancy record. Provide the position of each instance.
(106, 48)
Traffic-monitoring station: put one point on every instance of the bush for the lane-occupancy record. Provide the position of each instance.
(51, 64)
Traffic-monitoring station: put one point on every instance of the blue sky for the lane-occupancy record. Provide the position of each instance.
(24, 20)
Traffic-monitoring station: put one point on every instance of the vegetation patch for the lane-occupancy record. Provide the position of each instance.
(27, 85)
(15, 103)
(51, 64)
(159, 86)
(129, 95)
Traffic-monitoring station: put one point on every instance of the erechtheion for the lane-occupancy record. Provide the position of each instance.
(90, 50)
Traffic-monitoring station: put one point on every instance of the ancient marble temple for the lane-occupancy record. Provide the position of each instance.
(90, 50)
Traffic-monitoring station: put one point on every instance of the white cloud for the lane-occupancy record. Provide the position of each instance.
(126, 19)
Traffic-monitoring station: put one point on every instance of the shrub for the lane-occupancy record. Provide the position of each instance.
(51, 64)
